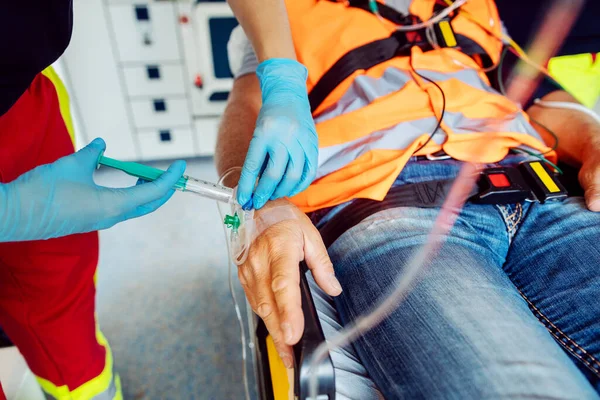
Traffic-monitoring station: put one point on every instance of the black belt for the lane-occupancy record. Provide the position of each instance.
(529, 181)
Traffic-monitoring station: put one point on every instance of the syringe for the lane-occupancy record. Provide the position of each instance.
(185, 183)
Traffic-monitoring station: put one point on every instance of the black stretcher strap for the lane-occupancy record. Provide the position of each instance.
(530, 181)
(425, 194)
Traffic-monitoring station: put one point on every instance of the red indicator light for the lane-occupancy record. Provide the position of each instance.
(198, 82)
(499, 180)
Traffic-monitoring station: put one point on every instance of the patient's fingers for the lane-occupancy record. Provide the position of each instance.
(592, 197)
(257, 284)
(318, 261)
(589, 177)
(285, 283)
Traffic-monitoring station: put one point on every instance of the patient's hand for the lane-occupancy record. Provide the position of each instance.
(589, 174)
(271, 275)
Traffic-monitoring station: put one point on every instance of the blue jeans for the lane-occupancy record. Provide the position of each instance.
(509, 307)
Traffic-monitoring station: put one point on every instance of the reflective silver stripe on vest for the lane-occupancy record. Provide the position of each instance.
(402, 135)
(364, 90)
(109, 394)
(398, 137)
(512, 123)
(467, 76)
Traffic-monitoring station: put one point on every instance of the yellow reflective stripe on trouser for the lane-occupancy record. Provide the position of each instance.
(63, 100)
(106, 386)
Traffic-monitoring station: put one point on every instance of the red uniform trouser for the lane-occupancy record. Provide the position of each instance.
(47, 287)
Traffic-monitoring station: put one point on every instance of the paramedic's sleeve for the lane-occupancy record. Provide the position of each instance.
(61, 198)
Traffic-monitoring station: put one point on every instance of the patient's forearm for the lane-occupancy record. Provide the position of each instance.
(237, 126)
(577, 132)
(266, 25)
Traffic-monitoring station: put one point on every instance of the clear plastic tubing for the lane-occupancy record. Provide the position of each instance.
(207, 189)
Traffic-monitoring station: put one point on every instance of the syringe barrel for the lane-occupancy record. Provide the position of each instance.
(208, 189)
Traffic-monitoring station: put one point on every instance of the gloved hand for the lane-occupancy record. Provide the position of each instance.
(285, 135)
(61, 198)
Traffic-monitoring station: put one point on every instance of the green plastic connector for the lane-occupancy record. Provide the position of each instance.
(373, 7)
(232, 222)
(140, 171)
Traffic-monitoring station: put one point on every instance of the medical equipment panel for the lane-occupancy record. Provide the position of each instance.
(150, 77)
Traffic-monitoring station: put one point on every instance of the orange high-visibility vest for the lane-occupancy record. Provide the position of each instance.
(363, 145)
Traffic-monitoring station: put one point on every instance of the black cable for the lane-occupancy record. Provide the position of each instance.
(503, 91)
(550, 131)
(439, 123)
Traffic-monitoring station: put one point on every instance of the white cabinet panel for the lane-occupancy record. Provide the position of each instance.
(145, 32)
(154, 80)
(109, 70)
(206, 130)
(160, 112)
(156, 144)
(93, 79)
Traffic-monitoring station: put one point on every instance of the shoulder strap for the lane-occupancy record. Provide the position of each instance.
(360, 58)
(375, 53)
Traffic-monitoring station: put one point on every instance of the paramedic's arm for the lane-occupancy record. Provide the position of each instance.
(271, 275)
(237, 126)
(283, 152)
(266, 25)
(578, 141)
(61, 198)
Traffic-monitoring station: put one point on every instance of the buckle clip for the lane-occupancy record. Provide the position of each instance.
(445, 34)
(543, 183)
(529, 181)
(439, 155)
(502, 185)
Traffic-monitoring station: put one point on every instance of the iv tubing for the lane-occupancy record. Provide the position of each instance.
(434, 19)
(443, 14)
(236, 306)
(568, 106)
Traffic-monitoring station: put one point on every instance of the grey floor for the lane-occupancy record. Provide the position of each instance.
(163, 299)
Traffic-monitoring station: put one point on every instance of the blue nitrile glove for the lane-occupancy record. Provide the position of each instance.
(61, 198)
(285, 135)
